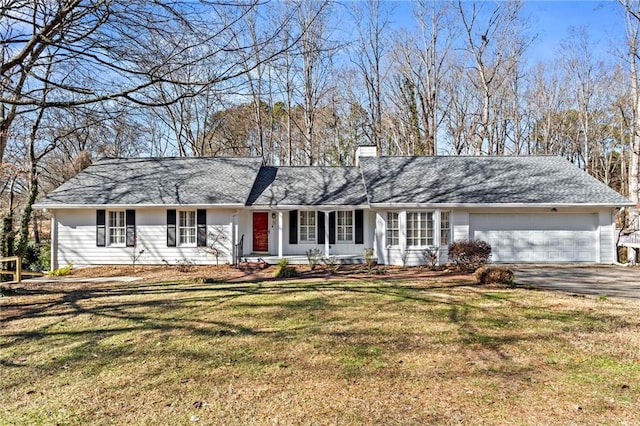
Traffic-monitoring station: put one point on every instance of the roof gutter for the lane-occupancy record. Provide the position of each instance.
(132, 206)
(309, 206)
(497, 205)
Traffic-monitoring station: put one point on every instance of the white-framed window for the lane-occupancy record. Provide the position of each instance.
(445, 228)
(419, 229)
(393, 229)
(344, 226)
(307, 226)
(187, 228)
(117, 228)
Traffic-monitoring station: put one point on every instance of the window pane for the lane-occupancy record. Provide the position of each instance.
(116, 231)
(344, 226)
(307, 226)
(420, 230)
(187, 227)
(392, 229)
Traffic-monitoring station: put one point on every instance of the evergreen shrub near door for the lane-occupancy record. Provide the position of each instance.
(283, 270)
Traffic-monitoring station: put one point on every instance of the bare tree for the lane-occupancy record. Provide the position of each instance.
(316, 65)
(545, 99)
(632, 9)
(494, 45)
(423, 60)
(373, 20)
(117, 49)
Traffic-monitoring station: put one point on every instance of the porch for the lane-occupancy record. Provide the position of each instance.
(270, 235)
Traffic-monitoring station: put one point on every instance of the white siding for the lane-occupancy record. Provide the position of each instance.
(77, 239)
(460, 225)
(606, 222)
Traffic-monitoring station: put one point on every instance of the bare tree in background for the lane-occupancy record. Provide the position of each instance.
(316, 66)
(373, 19)
(546, 98)
(580, 64)
(114, 49)
(632, 14)
(632, 9)
(490, 44)
(423, 59)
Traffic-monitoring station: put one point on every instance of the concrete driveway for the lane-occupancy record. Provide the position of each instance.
(612, 281)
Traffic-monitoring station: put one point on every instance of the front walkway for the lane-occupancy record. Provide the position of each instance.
(599, 280)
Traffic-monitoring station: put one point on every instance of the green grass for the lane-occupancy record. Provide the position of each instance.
(315, 352)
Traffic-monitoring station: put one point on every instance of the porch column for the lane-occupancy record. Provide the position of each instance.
(280, 228)
(326, 234)
(436, 228)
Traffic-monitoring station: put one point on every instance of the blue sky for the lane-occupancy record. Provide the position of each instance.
(551, 20)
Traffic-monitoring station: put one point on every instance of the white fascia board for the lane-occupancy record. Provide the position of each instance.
(492, 205)
(134, 206)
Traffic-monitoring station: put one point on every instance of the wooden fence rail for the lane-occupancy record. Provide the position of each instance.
(17, 273)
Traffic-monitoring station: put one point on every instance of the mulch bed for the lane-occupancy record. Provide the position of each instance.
(261, 272)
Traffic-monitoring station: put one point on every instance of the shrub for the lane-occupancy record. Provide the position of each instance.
(36, 257)
(45, 257)
(332, 264)
(185, 265)
(369, 261)
(494, 275)
(283, 270)
(314, 256)
(431, 256)
(61, 272)
(469, 255)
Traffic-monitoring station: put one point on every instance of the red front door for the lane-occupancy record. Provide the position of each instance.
(260, 231)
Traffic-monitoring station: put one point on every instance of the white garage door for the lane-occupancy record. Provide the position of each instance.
(537, 237)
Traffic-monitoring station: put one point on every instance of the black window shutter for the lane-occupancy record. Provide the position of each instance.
(201, 220)
(293, 227)
(359, 226)
(332, 228)
(321, 228)
(101, 234)
(131, 227)
(171, 228)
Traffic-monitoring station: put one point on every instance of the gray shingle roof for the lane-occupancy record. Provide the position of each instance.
(482, 180)
(168, 181)
(308, 186)
(388, 180)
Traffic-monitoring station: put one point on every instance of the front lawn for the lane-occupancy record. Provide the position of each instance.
(324, 352)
